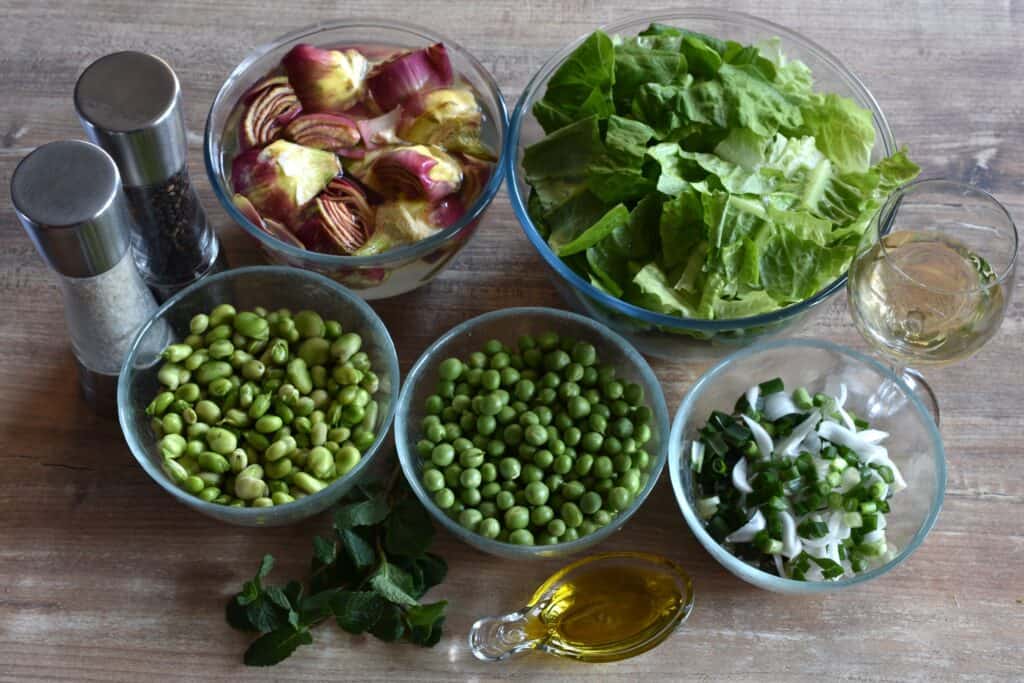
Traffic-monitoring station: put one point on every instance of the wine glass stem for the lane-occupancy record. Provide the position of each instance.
(924, 392)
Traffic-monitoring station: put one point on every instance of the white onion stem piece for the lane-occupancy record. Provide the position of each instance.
(746, 533)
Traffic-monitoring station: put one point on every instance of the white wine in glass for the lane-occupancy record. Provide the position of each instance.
(933, 277)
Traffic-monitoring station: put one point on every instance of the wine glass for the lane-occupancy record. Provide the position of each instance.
(932, 279)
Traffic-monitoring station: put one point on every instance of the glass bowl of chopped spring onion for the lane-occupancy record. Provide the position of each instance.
(623, 281)
(852, 482)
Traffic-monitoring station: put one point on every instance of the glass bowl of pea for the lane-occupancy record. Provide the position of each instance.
(531, 432)
(259, 396)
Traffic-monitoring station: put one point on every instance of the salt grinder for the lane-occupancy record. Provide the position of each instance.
(68, 197)
(130, 105)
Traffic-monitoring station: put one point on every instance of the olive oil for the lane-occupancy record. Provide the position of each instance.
(602, 609)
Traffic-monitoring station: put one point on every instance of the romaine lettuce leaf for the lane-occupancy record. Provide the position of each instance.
(581, 87)
(702, 178)
(843, 131)
(616, 218)
(617, 174)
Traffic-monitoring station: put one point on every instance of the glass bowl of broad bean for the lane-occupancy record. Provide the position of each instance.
(531, 432)
(259, 396)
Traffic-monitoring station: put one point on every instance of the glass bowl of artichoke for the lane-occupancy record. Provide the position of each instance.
(366, 150)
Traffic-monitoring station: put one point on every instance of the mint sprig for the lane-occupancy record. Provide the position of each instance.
(368, 576)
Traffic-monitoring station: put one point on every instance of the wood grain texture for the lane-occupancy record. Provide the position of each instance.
(104, 578)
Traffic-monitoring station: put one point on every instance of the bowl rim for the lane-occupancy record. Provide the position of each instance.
(618, 305)
(408, 251)
(764, 579)
(409, 460)
(303, 506)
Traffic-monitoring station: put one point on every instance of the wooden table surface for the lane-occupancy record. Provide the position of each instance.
(103, 577)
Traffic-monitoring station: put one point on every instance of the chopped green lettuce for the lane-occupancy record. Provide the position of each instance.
(702, 178)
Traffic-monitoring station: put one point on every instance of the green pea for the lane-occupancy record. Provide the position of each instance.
(642, 433)
(584, 354)
(618, 498)
(433, 480)
(470, 478)
(517, 517)
(630, 480)
(572, 490)
(543, 459)
(532, 473)
(490, 490)
(470, 518)
(489, 528)
(571, 515)
(504, 500)
(556, 527)
(450, 369)
(509, 468)
(521, 537)
(602, 518)
(537, 493)
(442, 455)
(445, 498)
(490, 380)
(471, 457)
(590, 502)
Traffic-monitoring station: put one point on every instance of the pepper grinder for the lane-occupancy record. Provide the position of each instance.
(68, 197)
(130, 104)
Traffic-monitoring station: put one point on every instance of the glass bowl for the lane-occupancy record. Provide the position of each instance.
(272, 287)
(657, 334)
(507, 325)
(914, 445)
(398, 270)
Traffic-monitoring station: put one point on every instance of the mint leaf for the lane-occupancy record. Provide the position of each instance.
(357, 611)
(365, 513)
(323, 550)
(390, 626)
(434, 569)
(357, 549)
(237, 616)
(388, 581)
(425, 615)
(408, 531)
(276, 595)
(427, 636)
(266, 564)
(293, 591)
(276, 646)
(263, 614)
(318, 606)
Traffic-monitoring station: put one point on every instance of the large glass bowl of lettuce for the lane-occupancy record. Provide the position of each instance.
(700, 176)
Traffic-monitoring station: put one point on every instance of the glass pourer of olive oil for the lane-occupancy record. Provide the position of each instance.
(603, 608)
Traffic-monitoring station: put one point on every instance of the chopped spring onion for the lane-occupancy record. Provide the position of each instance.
(739, 477)
(746, 533)
(761, 437)
(796, 484)
(779, 405)
(697, 456)
(707, 507)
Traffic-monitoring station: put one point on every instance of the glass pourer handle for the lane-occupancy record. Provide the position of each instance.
(493, 639)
